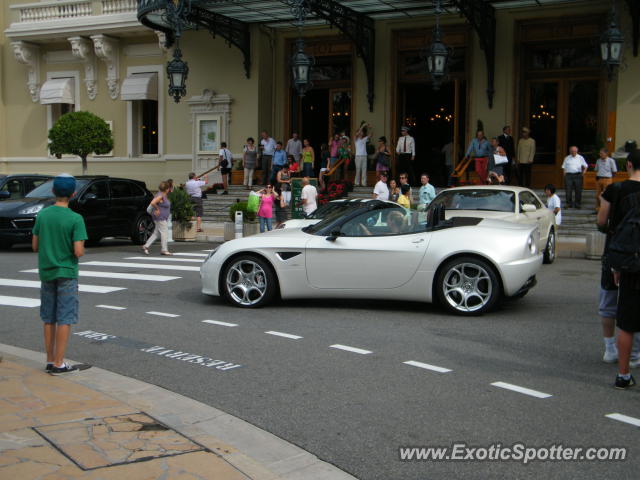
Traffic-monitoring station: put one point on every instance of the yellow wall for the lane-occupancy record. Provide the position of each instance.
(628, 92)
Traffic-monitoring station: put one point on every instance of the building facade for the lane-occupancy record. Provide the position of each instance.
(512, 63)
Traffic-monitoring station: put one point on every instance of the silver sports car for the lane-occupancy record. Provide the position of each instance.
(380, 251)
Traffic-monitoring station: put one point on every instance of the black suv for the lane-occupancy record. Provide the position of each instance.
(111, 207)
(17, 186)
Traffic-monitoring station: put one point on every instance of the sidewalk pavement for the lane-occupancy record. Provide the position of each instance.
(98, 425)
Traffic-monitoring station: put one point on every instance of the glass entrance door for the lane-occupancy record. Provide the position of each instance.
(562, 113)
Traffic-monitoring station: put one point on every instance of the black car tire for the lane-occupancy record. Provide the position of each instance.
(248, 281)
(468, 286)
(142, 229)
(549, 254)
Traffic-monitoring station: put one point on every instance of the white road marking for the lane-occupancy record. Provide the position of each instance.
(350, 349)
(141, 265)
(624, 418)
(427, 366)
(11, 282)
(111, 307)
(284, 335)
(19, 301)
(166, 259)
(208, 250)
(223, 324)
(191, 254)
(124, 276)
(516, 388)
(162, 314)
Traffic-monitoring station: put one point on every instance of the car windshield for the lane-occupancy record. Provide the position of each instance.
(481, 199)
(45, 190)
(329, 208)
(329, 218)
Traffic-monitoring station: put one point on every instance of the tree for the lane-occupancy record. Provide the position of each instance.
(81, 134)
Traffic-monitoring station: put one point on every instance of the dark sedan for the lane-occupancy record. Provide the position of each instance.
(111, 207)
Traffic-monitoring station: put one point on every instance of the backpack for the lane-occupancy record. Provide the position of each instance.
(623, 253)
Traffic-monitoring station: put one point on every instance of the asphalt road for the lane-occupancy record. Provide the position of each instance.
(353, 409)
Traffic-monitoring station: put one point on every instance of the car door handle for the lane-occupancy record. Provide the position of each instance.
(418, 241)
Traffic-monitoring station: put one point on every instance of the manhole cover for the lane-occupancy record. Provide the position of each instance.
(102, 442)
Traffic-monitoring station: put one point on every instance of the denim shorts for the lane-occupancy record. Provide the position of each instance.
(59, 301)
(608, 304)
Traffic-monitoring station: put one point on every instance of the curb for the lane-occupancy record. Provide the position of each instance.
(256, 453)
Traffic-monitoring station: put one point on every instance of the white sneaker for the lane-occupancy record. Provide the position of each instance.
(610, 356)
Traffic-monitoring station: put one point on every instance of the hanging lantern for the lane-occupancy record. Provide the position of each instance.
(437, 55)
(611, 45)
(177, 71)
(301, 64)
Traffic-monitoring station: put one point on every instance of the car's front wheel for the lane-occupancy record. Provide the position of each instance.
(468, 286)
(142, 229)
(549, 254)
(248, 281)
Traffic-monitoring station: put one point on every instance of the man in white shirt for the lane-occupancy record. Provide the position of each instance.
(308, 196)
(574, 166)
(294, 147)
(193, 188)
(406, 150)
(605, 169)
(225, 160)
(381, 190)
(268, 145)
(361, 154)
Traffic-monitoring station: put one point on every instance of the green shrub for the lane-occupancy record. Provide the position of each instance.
(247, 216)
(181, 207)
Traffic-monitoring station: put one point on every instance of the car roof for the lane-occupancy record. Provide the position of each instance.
(506, 188)
(30, 175)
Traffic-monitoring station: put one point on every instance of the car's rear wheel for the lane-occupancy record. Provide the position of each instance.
(549, 254)
(248, 281)
(142, 230)
(468, 286)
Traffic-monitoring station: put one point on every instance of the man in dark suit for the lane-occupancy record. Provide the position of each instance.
(506, 142)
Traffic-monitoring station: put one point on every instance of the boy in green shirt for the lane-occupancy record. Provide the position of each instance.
(58, 238)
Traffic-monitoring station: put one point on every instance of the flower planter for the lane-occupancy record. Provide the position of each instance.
(248, 229)
(182, 233)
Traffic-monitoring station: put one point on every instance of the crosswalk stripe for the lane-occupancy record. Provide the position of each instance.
(12, 282)
(111, 307)
(123, 276)
(19, 301)
(158, 259)
(191, 254)
(163, 314)
(141, 265)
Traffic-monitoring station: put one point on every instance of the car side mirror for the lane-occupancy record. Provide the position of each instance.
(528, 207)
(4, 194)
(88, 198)
(333, 236)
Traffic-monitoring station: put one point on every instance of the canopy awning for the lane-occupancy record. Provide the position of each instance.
(57, 90)
(140, 86)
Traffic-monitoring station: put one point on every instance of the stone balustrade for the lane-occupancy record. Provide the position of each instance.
(70, 9)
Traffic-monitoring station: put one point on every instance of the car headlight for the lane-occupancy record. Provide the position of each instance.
(532, 245)
(31, 210)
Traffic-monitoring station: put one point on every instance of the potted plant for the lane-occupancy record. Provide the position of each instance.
(249, 227)
(182, 216)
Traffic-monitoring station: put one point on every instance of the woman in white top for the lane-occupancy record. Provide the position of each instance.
(249, 160)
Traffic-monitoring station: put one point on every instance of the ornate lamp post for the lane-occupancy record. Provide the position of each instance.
(300, 62)
(611, 44)
(437, 55)
(177, 69)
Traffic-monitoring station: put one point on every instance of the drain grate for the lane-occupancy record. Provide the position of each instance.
(104, 442)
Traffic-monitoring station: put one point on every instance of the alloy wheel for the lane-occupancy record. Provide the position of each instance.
(467, 287)
(246, 282)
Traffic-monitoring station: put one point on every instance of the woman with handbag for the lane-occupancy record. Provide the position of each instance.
(160, 208)
(249, 162)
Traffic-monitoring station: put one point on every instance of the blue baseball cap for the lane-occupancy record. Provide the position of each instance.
(64, 185)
